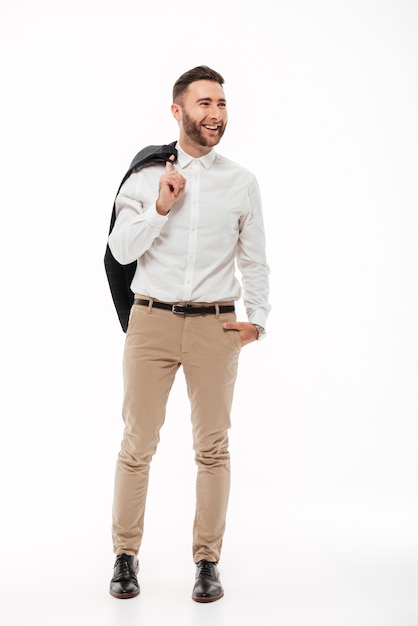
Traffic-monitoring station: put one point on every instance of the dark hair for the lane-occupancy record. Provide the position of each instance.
(201, 72)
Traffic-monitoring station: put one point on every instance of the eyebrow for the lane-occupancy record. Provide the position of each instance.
(210, 100)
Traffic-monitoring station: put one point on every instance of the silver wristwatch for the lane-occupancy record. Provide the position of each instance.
(261, 332)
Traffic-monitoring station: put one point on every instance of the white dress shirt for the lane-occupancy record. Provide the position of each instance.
(189, 255)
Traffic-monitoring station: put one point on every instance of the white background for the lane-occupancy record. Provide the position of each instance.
(323, 100)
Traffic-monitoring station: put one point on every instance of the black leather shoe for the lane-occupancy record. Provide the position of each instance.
(208, 586)
(124, 583)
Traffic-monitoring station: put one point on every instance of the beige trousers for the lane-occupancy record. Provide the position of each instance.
(158, 342)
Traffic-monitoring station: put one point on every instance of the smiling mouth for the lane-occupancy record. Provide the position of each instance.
(211, 127)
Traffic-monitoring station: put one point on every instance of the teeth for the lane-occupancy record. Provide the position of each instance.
(211, 127)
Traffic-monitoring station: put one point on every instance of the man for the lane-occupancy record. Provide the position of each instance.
(186, 224)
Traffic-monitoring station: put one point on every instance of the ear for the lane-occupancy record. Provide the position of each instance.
(176, 111)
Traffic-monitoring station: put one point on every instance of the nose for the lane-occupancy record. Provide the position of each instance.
(214, 112)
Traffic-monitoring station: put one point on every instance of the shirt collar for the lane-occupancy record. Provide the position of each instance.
(185, 159)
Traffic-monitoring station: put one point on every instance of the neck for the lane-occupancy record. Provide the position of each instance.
(193, 149)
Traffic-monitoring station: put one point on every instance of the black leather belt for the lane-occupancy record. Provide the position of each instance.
(188, 309)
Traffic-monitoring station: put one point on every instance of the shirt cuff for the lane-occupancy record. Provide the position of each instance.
(154, 218)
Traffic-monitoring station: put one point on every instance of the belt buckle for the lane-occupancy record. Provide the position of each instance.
(175, 307)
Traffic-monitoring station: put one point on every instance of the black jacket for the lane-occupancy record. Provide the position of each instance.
(120, 276)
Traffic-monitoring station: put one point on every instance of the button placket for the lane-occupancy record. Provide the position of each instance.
(192, 239)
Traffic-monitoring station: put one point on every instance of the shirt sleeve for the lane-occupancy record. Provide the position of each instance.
(251, 259)
(136, 225)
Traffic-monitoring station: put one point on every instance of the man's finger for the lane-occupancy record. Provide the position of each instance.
(169, 166)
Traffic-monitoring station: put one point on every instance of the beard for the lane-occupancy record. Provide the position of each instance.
(194, 131)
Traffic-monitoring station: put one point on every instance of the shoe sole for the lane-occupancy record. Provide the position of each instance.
(125, 596)
(207, 598)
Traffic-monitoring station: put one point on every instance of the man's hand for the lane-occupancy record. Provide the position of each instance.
(172, 186)
(247, 331)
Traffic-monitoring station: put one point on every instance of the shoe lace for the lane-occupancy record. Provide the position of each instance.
(206, 568)
(122, 567)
